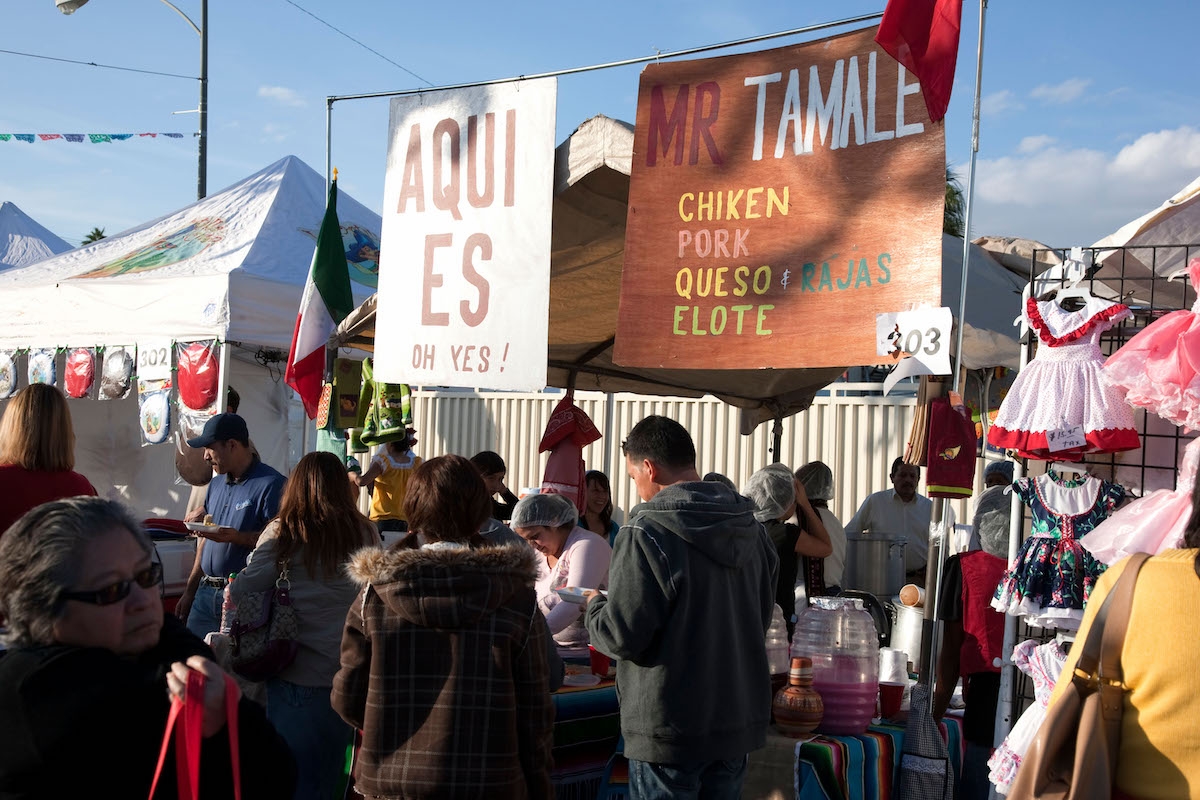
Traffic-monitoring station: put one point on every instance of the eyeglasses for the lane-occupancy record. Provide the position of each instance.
(116, 592)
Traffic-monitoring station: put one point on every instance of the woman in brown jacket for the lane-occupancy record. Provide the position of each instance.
(443, 663)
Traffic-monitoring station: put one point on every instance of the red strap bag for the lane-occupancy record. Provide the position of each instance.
(186, 721)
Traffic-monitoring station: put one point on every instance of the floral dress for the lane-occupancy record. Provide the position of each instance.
(1053, 575)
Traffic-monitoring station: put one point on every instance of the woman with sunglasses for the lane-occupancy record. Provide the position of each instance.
(84, 686)
(317, 530)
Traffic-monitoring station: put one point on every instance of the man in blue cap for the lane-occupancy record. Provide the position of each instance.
(240, 505)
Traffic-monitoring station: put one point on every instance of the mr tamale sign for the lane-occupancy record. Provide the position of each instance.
(778, 201)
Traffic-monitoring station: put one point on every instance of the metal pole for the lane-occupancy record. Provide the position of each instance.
(962, 293)
(202, 167)
(328, 143)
(930, 666)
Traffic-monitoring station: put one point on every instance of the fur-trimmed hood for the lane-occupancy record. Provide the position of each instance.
(445, 587)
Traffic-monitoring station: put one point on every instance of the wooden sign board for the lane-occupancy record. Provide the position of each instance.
(778, 201)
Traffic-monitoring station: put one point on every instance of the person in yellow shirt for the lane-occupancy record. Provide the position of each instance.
(388, 476)
(1159, 756)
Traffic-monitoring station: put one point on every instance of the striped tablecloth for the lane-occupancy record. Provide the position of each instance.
(863, 767)
(587, 726)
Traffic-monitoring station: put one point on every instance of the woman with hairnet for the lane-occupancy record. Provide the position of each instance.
(777, 495)
(571, 556)
(817, 480)
(972, 644)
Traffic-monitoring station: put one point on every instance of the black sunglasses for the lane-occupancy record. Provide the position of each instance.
(116, 592)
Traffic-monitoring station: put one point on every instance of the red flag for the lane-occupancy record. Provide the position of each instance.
(923, 36)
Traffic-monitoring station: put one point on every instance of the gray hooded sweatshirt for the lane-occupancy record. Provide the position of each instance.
(691, 592)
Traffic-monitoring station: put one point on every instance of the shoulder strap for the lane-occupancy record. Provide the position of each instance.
(1101, 655)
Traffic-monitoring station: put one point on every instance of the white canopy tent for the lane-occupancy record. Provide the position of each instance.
(23, 241)
(230, 267)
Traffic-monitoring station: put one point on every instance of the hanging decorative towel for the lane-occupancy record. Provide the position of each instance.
(8, 374)
(42, 368)
(116, 378)
(154, 410)
(952, 453)
(567, 433)
(389, 413)
(80, 372)
(197, 374)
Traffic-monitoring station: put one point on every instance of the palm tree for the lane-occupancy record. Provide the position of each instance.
(954, 218)
(98, 233)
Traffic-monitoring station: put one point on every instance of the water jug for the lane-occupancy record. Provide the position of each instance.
(840, 638)
(778, 657)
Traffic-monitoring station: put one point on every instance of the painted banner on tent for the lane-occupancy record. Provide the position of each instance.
(464, 274)
(778, 201)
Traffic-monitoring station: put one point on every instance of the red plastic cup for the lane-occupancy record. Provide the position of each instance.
(600, 662)
(891, 695)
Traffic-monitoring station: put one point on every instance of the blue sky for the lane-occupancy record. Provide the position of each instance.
(1091, 111)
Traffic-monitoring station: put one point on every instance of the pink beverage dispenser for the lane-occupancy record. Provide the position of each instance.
(839, 636)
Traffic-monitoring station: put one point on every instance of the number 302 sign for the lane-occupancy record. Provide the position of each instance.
(923, 334)
(154, 359)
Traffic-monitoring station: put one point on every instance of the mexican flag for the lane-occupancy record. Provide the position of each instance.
(326, 302)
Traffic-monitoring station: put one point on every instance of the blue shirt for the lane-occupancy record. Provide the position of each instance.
(246, 504)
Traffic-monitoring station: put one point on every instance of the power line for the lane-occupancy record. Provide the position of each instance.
(357, 42)
(330, 100)
(102, 66)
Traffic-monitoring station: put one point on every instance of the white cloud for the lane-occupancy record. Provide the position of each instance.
(274, 133)
(1031, 144)
(1060, 93)
(281, 95)
(1064, 196)
(999, 102)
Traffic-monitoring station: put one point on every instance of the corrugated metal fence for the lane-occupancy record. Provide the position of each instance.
(857, 436)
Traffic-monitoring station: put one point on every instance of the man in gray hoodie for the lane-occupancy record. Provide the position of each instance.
(690, 596)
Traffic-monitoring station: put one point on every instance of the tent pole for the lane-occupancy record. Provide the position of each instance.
(223, 360)
(929, 671)
(777, 440)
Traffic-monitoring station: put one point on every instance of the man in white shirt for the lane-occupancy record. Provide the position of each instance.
(900, 510)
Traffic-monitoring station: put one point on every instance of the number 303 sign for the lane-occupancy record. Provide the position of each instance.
(923, 334)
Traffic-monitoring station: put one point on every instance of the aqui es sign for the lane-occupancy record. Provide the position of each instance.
(778, 201)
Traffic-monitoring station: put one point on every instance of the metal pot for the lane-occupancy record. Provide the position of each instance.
(906, 631)
(875, 563)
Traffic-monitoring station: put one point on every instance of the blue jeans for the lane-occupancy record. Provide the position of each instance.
(702, 780)
(318, 738)
(205, 616)
(975, 782)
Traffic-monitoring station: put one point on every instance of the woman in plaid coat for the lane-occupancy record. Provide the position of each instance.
(443, 663)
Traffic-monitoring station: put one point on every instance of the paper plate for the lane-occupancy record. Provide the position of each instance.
(571, 595)
(200, 527)
(583, 679)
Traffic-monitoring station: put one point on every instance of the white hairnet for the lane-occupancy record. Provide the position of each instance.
(817, 480)
(772, 491)
(992, 517)
(549, 510)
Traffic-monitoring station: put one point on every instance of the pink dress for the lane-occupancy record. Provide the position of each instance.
(1062, 388)
(1159, 369)
(1149, 525)
(1044, 664)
